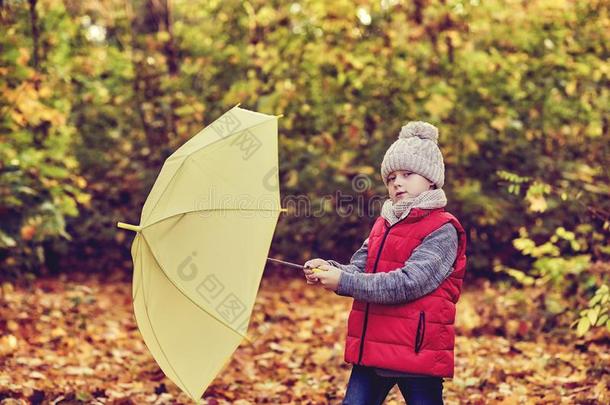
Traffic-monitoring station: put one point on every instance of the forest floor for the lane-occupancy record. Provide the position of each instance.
(74, 339)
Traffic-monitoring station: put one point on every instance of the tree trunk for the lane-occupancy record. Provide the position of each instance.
(156, 113)
(35, 32)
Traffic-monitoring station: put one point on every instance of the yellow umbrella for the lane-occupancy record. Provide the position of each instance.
(201, 246)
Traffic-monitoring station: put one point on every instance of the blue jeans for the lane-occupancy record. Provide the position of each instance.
(367, 388)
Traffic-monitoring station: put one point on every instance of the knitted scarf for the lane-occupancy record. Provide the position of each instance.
(426, 200)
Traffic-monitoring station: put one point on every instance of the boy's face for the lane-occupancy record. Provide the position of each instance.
(403, 184)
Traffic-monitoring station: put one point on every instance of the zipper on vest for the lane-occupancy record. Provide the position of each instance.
(421, 326)
(366, 310)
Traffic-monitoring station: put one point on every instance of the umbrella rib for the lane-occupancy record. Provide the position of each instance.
(215, 209)
(157, 339)
(189, 298)
(135, 293)
(197, 150)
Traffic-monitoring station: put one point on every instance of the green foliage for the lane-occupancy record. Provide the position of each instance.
(560, 274)
(596, 315)
(514, 180)
(40, 180)
(549, 267)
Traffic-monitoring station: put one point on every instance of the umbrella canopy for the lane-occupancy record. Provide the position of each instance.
(201, 246)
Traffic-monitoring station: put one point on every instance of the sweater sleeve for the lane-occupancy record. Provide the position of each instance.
(357, 263)
(427, 267)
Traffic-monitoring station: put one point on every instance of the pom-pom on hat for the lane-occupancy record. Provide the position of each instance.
(416, 150)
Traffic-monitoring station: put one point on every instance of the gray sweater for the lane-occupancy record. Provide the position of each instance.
(428, 266)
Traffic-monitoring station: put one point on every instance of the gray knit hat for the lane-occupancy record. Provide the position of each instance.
(416, 150)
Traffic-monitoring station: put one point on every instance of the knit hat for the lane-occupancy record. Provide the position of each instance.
(416, 150)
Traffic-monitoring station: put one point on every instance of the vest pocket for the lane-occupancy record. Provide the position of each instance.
(421, 330)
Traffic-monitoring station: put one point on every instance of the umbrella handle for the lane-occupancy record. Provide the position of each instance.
(294, 265)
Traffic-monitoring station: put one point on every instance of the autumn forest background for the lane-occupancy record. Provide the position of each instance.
(95, 95)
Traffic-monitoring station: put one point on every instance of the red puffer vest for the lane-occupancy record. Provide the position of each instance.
(417, 336)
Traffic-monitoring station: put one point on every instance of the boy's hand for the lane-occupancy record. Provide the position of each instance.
(312, 264)
(329, 278)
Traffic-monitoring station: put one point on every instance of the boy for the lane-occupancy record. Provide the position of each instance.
(405, 279)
